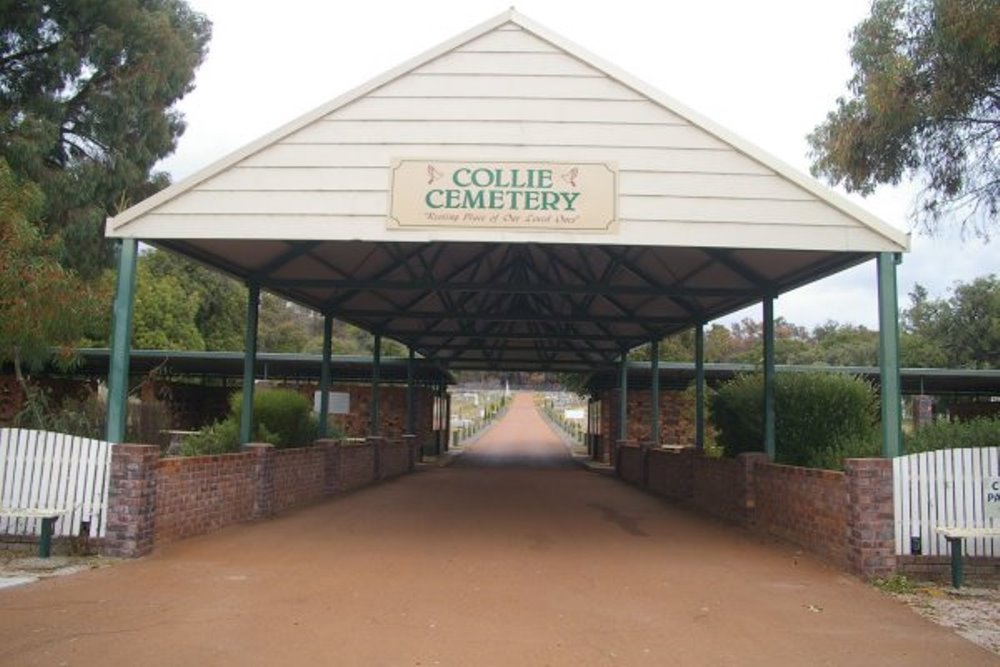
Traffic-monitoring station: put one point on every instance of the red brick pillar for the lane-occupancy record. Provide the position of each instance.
(131, 501)
(871, 542)
(263, 477)
(748, 486)
(331, 464)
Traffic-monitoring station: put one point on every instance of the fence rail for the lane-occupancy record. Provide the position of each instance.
(943, 488)
(40, 469)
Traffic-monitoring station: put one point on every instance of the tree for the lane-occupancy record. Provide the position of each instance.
(962, 331)
(924, 102)
(221, 301)
(42, 304)
(86, 95)
(164, 315)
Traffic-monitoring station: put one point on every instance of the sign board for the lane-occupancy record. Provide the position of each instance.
(992, 498)
(340, 403)
(574, 413)
(571, 196)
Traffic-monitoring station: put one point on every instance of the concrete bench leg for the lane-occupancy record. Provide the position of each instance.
(45, 543)
(957, 573)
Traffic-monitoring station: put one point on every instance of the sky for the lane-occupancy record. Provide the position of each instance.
(768, 70)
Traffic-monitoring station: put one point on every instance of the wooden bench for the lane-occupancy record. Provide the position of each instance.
(48, 515)
(955, 537)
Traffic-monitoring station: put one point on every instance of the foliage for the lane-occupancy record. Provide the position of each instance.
(282, 417)
(962, 331)
(42, 305)
(222, 437)
(981, 432)
(922, 102)
(86, 96)
(164, 313)
(830, 343)
(895, 583)
(821, 418)
(219, 302)
(41, 412)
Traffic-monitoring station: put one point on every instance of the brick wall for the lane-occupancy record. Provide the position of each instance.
(155, 501)
(630, 463)
(845, 518)
(299, 476)
(719, 487)
(357, 466)
(978, 570)
(200, 494)
(676, 420)
(805, 506)
(670, 473)
(395, 458)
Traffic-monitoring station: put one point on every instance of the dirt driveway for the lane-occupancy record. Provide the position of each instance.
(495, 561)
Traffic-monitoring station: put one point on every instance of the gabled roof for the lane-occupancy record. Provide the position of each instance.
(130, 222)
(705, 223)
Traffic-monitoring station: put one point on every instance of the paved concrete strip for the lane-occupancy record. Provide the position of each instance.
(475, 565)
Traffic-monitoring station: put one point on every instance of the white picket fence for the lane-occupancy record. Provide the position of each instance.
(39, 469)
(944, 488)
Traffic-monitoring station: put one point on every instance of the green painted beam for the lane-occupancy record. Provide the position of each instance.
(249, 363)
(654, 392)
(699, 387)
(769, 416)
(623, 397)
(121, 341)
(888, 329)
(324, 377)
(376, 379)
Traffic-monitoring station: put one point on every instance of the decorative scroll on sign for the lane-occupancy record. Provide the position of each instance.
(503, 195)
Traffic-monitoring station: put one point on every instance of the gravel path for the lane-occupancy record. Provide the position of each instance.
(512, 556)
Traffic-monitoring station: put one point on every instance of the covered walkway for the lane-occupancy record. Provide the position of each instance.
(513, 557)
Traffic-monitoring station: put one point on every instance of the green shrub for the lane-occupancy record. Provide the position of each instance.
(282, 417)
(821, 418)
(222, 437)
(981, 432)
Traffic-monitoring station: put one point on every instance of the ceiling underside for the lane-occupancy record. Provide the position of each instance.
(516, 306)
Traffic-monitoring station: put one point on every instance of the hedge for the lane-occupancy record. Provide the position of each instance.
(820, 418)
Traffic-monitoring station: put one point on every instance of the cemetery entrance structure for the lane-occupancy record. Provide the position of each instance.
(510, 201)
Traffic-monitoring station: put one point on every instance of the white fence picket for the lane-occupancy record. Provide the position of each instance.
(43, 469)
(944, 488)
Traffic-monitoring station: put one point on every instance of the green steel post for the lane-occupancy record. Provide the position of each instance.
(769, 377)
(45, 540)
(957, 571)
(376, 372)
(623, 398)
(249, 362)
(699, 387)
(324, 377)
(121, 341)
(410, 416)
(654, 392)
(888, 338)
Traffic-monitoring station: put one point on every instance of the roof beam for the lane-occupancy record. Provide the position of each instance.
(428, 285)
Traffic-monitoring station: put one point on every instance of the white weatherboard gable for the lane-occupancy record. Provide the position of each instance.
(509, 90)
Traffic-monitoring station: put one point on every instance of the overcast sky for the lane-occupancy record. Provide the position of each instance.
(768, 70)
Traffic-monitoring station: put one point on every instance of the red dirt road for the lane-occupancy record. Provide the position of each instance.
(474, 565)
